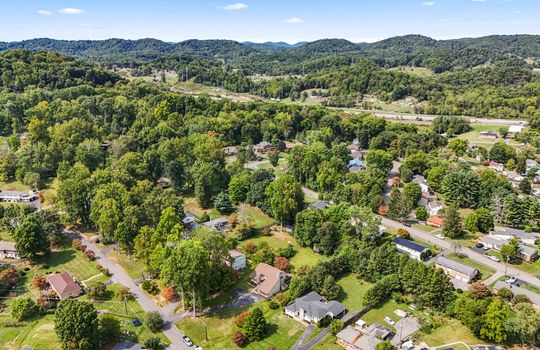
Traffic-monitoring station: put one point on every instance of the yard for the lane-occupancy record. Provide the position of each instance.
(133, 267)
(353, 292)
(70, 260)
(451, 332)
(281, 331)
(278, 239)
(486, 271)
(377, 315)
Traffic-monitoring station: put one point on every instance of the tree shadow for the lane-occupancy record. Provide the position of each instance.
(270, 329)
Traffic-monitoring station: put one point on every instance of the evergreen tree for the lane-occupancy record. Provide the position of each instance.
(222, 203)
(452, 226)
(254, 325)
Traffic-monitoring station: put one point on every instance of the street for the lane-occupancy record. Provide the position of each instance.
(147, 304)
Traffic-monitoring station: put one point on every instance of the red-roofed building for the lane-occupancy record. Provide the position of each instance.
(435, 221)
(64, 285)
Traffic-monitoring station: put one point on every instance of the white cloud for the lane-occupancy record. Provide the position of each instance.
(44, 13)
(70, 11)
(479, 0)
(294, 20)
(428, 3)
(235, 6)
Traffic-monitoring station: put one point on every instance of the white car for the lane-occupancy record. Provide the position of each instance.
(494, 258)
(198, 348)
(187, 341)
(389, 321)
(511, 280)
(439, 236)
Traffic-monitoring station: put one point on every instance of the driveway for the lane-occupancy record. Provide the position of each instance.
(404, 327)
(171, 331)
(241, 298)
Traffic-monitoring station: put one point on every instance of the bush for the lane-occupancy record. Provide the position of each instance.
(97, 290)
(76, 243)
(153, 343)
(239, 339)
(47, 300)
(403, 233)
(40, 282)
(336, 326)
(154, 321)
(272, 304)
(168, 293)
(105, 271)
(239, 320)
(324, 322)
(520, 298)
(281, 263)
(23, 308)
(282, 298)
(90, 255)
(150, 286)
(124, 292)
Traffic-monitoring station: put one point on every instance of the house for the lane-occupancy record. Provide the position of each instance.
(230, 150)
(379, 331)
(312, 308)
(456, 269)
(498, 167)
(435, 221)
(419, 179)
(164, 182)
(520, 235)
(290, 145)
(238, 260)
(533, 297)
(434, 207)
(64, 285)
(219, 224)
(357, 154)
(355, 165)
(489, 133)
(531, 164)
(268, 280)
(18, 196)
(526, 253)
(262, 147)
(353, 339)
(513, 176)
(515, 129)
(412, 249)
(319, 205)
(8, 250)
(493, 242)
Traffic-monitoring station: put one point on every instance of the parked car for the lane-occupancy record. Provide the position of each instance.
(389, 321)
(486, 247)
(511, 280)
(198, 348)
(494, 258)
(136, 322)
(479, 245)
(439, 236)
(538, 276)
(186, 340)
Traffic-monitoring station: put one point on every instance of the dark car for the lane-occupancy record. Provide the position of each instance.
(479, 245)
(136, 322)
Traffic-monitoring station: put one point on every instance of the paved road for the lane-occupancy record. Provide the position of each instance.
(309, 330)
(478, 257)
(147, 304)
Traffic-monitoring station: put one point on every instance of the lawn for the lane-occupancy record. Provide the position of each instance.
(191, 205)
(486, 271)
(70, 260)
(278, 239)
(281, 331)
(227, 295)
(353, 292)
(259, 218)
(532, 268)
(377, 315)
(328, 343)
(133, 267)
(451, 332)
(13, 186)
(279, 170)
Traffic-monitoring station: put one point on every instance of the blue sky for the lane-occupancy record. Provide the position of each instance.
(264, 20)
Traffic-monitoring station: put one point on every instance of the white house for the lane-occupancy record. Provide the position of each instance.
(238, 260)
(531, 164)
(18, 196)
(8, 250)
(419, 179)
(509, 233)
(268, 280)
(412, 249)
(513, 176)
(312, 308)
(434, 207)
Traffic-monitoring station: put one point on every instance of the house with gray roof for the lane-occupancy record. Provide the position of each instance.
(312, 308)
(412, 249)
(320, 205)
(456, 269)
(352, 338)
(520, 235)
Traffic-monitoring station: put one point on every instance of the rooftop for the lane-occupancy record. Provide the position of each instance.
(63, 283)
(7, 246)
(456, 266)
(313, 304)
(409, 244)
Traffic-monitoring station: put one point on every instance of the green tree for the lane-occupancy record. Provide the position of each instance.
(524, 324)
(23, 308)
(31, 239)
(484, 220)
(458, 146)
(330, 289)
(461, 188)
(510, 250)
(525, 186)
(379, 159)
(471, 222)
(385, 345)
(222, 203)
(239, 186)
(421, 213)
(96, 290)
(413, 193)
(274, 158)
(285, 198)
(494, 328)
(399, 206)
(336, 326)
(154, 321)
(254, 325)
(153, 343)
(452, 226)
(76, 325)
(501, 152)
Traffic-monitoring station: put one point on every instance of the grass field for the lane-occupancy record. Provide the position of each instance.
(377, 315)
(486, 271)
(278, 239)
(418, 71)
(451, 332)
(328, 343)
(13, 186)
(70, 260)
(353, 292)
(281, 331)
(133, 267)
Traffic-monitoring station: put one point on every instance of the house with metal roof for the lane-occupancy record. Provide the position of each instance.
(312, 308)
(456, 269)
(520, 235)
(352, 338)
(412, 249)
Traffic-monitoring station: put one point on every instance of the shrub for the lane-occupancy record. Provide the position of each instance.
(272, 304)
(96, 290)
(124, 292)
(239, 320)
(505, 294)
(239, 339)
(336, 326)
(23, 308)
(282, 298)
(76, 243)
(150, 286)
(169, 293)
(90, 255)
(324, 322)
(403, 233)
(421, 213)
(520, 298)
(153, 343)
(154, 321)
(281, 263)
(40, 282)
(47, 300)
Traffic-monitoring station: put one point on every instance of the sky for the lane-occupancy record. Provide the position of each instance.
(265, 20)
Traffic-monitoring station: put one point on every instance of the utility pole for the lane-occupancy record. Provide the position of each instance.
(125, 305)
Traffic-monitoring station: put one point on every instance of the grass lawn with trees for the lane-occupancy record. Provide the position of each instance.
(377, 315)
(353, 291)
(452, 331)
(281, 331)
